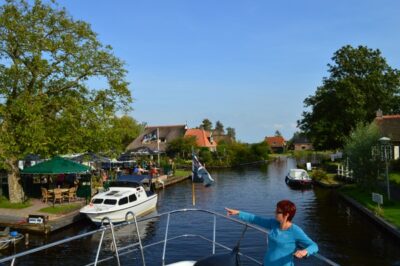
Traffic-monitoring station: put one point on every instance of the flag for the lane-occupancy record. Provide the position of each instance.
(199, 172)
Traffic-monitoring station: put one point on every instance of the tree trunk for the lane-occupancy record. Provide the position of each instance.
(15, 191)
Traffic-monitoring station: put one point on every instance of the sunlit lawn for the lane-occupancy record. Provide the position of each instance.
(395, 177)
(180, 172)
(390, 210)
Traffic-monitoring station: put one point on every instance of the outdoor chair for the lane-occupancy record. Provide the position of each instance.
(71, 194)
(58, 195)
(46, 195)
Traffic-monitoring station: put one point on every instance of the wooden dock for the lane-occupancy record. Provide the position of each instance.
(165, 181)
(56, 222)
(46, 227)
(51, 222)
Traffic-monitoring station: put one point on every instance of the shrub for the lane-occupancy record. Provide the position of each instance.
(319, 174)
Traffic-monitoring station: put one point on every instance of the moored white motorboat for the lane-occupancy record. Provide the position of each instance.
(120, 201)
(298, 178)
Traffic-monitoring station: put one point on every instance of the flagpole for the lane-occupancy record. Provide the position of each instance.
(193, 191)
(193, 195)
(158, 146)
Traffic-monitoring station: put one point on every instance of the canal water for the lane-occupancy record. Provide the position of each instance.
(343, 234)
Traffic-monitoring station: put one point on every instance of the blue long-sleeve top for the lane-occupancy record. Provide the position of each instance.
(282, 244)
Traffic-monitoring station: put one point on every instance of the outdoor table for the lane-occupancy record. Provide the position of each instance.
(63, 190)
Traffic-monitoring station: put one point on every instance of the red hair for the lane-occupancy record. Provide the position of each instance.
(287, 207)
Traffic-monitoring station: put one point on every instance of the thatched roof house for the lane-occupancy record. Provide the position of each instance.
(164, 134)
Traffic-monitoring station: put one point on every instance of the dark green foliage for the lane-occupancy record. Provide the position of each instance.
(122, 131)
(233, 154)
(49, 106)
(206, 125)
(360, 83)
(219, 127)
(181, 147)
(319, 174)
(231, 132)
(206, 156)
(358, 148)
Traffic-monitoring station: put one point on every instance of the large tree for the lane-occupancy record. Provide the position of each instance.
(231, 132)
(206, 124)
(50, 104)
(360, 83)
(123, 130)
(219, 127)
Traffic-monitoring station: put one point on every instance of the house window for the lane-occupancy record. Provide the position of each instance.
(396, 152)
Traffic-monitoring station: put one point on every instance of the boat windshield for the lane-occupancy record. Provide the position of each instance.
(298, 174)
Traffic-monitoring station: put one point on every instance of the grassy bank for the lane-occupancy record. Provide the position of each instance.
(390, 210)
(5, 203)
(181, 172)
(61, 209)
(395, 177)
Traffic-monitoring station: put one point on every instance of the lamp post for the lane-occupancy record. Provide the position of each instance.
(386, 154)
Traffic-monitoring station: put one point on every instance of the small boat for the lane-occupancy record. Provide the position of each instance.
(298, 178)
(123, 199)
(7, 237)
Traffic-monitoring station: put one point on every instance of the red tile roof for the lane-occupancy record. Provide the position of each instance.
(202, 137)
(389, 117)
(276, 141)
(389, 126)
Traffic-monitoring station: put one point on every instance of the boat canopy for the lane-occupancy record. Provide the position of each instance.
(124, 184)
(298, 174)
(135, 178)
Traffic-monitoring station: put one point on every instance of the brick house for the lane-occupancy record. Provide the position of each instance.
(302, 144)
(389, 126)
(203, 138)
(276, 143)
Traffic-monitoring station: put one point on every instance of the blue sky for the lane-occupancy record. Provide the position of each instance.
(249, 64)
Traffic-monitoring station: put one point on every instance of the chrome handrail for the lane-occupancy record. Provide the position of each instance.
(111, 226)
(138, 234)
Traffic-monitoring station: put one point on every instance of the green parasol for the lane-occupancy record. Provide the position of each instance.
(56, 165)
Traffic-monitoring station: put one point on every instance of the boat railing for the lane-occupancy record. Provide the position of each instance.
(107, 224)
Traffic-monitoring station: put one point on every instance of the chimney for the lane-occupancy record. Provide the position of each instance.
(379, 113)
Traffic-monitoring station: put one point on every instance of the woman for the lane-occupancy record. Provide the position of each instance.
(284, 237)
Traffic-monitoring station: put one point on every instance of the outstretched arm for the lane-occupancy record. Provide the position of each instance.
(231, 211)
(251, 218)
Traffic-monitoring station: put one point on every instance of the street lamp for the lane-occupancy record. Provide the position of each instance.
(385, 151)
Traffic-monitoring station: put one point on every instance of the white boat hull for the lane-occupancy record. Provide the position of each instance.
(118, 216)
